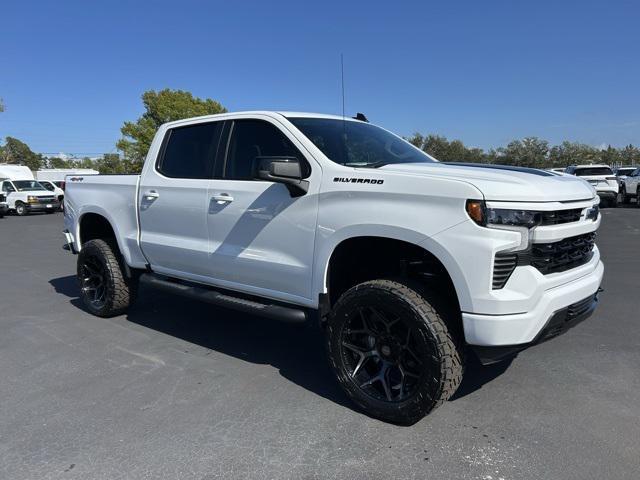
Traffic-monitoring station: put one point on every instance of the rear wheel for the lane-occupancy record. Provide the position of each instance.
(392, 352)
(21, 209)
(104, 288)
(624, 197)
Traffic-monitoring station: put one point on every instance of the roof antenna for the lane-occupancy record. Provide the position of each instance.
(345, 153)
(342, 75)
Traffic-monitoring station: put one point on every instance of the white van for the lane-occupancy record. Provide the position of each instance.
(23, 193)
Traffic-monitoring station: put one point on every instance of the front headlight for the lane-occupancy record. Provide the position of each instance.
(520, 221)
(32, 199)
(501, 217)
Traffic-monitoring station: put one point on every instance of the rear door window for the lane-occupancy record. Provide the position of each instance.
(189, 152)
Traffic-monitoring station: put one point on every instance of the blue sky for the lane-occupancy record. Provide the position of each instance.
(482, 71)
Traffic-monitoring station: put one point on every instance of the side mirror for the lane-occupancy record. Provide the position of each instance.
(286, 170)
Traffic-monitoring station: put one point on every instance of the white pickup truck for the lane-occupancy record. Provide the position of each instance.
(405, 261)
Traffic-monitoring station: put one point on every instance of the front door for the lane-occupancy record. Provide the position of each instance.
(261, 239)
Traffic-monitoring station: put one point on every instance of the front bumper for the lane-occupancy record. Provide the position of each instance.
(524, 328)
(559, 323)
(42, 207)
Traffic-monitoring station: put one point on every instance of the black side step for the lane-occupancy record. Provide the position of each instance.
(209, 295)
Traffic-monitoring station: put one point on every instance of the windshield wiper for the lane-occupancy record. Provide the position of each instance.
(379, 164)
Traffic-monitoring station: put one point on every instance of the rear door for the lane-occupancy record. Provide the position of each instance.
(261, 239)
(173, 201)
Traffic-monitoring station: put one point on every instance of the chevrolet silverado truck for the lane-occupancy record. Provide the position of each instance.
(408, 263)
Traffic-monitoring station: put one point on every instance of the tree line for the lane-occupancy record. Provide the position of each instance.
(168, 105)
(528, 152)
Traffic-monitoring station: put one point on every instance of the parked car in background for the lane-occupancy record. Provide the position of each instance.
(57, 175)
(26, 196)
(631, 187)
(15, 172)
(602, 179)
(57, 191)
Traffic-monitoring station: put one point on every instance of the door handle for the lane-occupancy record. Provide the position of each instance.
(151, 194)
(223, 198)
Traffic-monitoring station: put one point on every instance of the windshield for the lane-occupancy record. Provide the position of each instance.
(358, 144)
(25, 185)
(587, 172)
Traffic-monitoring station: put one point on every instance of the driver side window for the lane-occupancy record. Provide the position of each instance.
(251, 139)
(7, 187)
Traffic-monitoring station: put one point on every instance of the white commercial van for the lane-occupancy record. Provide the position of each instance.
(23, 193)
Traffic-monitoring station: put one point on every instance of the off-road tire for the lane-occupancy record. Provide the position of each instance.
(21, 209)
(119, 290)
(442, 368)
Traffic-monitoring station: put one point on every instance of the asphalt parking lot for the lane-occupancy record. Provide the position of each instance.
(177, 389)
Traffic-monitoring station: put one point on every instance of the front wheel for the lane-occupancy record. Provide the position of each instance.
(392, 352)
(104, 288)
(21, 209)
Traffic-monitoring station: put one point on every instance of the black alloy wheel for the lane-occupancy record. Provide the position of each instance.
(93, 281)
(104, 288)
(391, 350)
(382, 353)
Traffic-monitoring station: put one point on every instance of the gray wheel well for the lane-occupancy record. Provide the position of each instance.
(359, 259)
(94, 226)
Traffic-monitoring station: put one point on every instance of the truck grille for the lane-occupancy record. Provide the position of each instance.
(46, 199)
(546, 257)
(560, 216)
(563, 255)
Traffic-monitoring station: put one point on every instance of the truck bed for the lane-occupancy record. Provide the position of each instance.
(115, 198)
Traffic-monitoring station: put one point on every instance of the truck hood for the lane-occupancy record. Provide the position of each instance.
(504, 183)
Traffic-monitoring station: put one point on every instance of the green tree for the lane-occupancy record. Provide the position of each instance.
(447, 151)
(86, 162)
(573, 153)
(16, 152)
(160, 107)
(630, 155)
(528, 152)
(610, 156)
(1, 105)
(56, 162)
(111, 163)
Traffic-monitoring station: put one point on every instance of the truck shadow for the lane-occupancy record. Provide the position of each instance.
(297, 351)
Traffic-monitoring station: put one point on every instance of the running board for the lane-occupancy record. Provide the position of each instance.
(209, 295)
